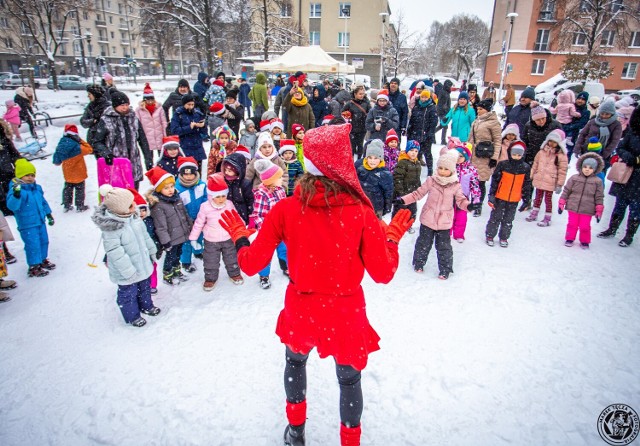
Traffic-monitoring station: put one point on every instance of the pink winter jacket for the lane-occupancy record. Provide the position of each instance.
(437, 212)
(12, 116)
(208, 222)
(546, 175)
(154, 126)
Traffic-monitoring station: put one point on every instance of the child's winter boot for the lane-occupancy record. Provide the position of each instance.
(632, 227)
(614, 224)
(169, 278)
(489, 241)
(209, 285)
(189, 267)
(533, 216)
(568, 243)
(4, 297)
(350, 436)
(140, 322)
(153, 311)
(237, 280)
(8, 257)
(584, 245)
(504, 243)
(48, 265)
(7, 284)
(264, 282)
(82, 208)
(546, 221)
(294, 435)
(37, 271)
(296, 416)
(177, 274)
(284, 267)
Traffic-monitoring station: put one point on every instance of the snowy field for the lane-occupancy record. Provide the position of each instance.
(521, 346)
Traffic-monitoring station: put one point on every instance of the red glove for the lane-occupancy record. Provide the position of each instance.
(599, 211)
(234, 225)
(561, 204)
(399, 225)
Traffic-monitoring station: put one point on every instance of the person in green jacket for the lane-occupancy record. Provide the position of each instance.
(461, 117)
(258, 95)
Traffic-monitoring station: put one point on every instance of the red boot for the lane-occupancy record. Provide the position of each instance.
(349, 436)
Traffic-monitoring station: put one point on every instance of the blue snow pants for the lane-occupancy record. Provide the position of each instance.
(36, 244)
(187, 250)
(133, 298)
(281, 250)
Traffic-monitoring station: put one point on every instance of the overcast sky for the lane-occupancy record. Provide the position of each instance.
(418, 14)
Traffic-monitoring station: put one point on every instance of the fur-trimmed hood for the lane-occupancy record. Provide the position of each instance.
(151, 198)
(107, 221)
(595, 156)
(557, 137)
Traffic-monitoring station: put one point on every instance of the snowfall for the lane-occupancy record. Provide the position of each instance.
(521, 346)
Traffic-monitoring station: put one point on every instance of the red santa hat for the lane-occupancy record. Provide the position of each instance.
(170, 142)
(287, 144)
(383, 94)
(327, 119)
(71, 129)
(216, 108)
(391, 136)
(296, 128)
(327, 152)
(147, 92)
(187, 164)
(138, 199)
(265, 125)
(217, 186)
(276, 123)
(244, 151)
(158, 176)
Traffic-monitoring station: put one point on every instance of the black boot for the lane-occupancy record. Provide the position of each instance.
(614, 224)
(632, 227)
(294, 435)
(7, 255)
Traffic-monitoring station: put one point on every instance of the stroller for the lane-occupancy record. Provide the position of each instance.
(34, 145)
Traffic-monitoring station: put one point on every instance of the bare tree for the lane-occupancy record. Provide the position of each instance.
(273, 27)
(401, 52)
(162, 33)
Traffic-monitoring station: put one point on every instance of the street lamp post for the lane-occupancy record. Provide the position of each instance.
(383, 15)
(346, 12)
(88, 37)
(180, 45)
(511, 16)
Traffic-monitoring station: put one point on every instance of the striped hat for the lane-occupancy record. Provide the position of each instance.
(594, 146)
(269, 172)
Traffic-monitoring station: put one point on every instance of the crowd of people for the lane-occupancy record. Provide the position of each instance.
(321, 156)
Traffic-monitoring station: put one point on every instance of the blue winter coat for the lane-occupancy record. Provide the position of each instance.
(295, 170)
(243, 95)
(67, 148)
(200, 88)
(399, 102)
(378, 185)
(319, 106)
(127, 245)
(31, 208)
(190, 138)
(518, 115)
(192, 197)
(461, 121)
(215, 93)
(168, 164)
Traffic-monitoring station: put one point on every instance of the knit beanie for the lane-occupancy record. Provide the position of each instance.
(233, 93)
(119, 98)
(464, 151)
(116, 199)
(276, 123)
(511, 129)
(218, 82)
(425, 94)
(70, 130)
(449, 160)
(391, 136)
(217, 186)
(583, 95)
(517, 148)
(412, 145)
(594, 145)
(147, 93)
(217, 108)
(24, 167)
(9, 103)
(189, 97)
(249, 123)
(594, 101)
(608, 106)
(528, 93)
(159, 178)
(538, 112)
(96, 90)
(269, 172)
(107, 77)
(295, 129)
(187, 165)
(590, 162)
(375, 148)
(183, 83)
(486, 104)
(463, 95)
(472, 87)
(264, 138)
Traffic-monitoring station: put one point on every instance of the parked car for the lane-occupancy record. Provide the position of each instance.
(551, 84)
(634, 93)
(593, 88)
(67, 82)
(11, 80)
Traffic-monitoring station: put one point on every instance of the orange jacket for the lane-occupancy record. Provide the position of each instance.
(74, 169)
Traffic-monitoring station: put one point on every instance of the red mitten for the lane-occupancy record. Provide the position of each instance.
(599, 211)
(234, 225)
(399, 225)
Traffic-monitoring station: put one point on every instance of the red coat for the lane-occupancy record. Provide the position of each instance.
(328, 250)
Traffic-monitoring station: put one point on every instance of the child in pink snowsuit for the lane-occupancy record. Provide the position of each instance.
(583, 196)
(391, 151)
(468, 178)
(12, 116)
(566, 109)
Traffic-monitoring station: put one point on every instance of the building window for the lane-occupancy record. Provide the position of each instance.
(547, 10)
(285, 9)
(314, 38)
(616, 6)
(98, 4)
(542, 40)
(109, 5)
(76, 47)
(113, 35)
(607, 38)
(344, 39)
(74, 30)
(315, 10)
(579, 38)
(120, 10)
(111, 20)
(144, 53)
(285, 39)
(123, 36)
(4, 22)
(134, 51)
(24, 29)
(604, 65)
(537, 67)
(635, 39)
(113, 50)
(85, 15)
(8, 42)
(629, 70)
(63, 49)
(344, 10)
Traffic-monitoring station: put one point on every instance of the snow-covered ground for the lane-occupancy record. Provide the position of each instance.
(521, 346)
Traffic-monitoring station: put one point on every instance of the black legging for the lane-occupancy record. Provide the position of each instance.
(483, 190)
(425, 150)
(357, 143)
(295, 386)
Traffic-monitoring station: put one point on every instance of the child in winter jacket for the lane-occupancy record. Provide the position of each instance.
(595, 147)
(70, 153)
(583, 197)
(470, 182)
(5, 235)
(12, 116)
(294, 168)
(234, 168)
(171, 220)
(217, 241)
(565, 111)
(193, 194)
(249, 136)
(26, 199)
(436, 216)
(129, 249)
(265, 198)
(549, 172)
(509, 134)
(224, 144)
(216, 118)
(170, 153)
(297, 133)
(145, 215)
(406, 178)
(382, 117)
(375, 179)
(510, 183)
(391, 151)
(153, 121)
(277, 132)
(266, 150)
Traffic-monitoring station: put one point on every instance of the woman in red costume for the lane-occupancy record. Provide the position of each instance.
(332, 235)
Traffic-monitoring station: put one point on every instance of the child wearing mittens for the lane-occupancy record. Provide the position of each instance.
(70, 153)
(217, 241)
(470, 182)
(406, 178)
(436, 217)
(549, 172)
(583, 197)
(129, 250)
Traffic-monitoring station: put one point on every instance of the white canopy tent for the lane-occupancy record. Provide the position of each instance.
(309, 59)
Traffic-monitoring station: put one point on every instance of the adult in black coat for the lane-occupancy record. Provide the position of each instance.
(400, 103)
(319, 106)
(189, 123)
(444, 105)
(98, 103)
(174, 101)
(627, 195)
(240, 189)
(8, 156)
(521, 113)
(236, 109)
(422, 127)
(24, 98)
(359, 107)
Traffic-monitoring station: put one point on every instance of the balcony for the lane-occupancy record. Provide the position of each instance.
(125, 42)
(101, 23)
(103, 40)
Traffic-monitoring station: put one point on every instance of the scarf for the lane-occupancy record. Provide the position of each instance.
(191, 183)
(444, 181)
(425, 104)
(368, 167)
(604, 128)
(300, 102)
(151, 108)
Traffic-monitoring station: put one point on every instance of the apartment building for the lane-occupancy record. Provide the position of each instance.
(534, 55)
